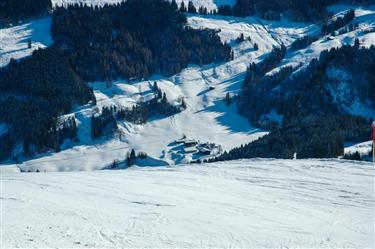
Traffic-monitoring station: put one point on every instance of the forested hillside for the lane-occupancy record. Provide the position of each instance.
(33, 93)
(316, 108)
(297, 10)
(16, 10)
(135, 39)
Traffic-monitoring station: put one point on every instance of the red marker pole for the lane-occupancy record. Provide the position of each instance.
(373, 141)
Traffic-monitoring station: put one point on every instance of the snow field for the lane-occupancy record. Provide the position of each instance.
(242, 204)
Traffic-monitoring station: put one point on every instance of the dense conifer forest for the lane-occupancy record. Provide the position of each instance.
(34, 92)
(314, 124)
(105, 123)
(18, 10)
(297, 10)
(133, 41)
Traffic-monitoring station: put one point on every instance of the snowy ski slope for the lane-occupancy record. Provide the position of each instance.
(238, 204)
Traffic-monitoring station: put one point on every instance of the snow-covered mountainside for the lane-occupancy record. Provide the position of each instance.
(206, 118)
(242, 204)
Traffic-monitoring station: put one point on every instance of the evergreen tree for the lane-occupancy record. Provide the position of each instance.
(174, 5)
(182, 7)
(191, 8)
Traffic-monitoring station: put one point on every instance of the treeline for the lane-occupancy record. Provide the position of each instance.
(33, 93)
(311, 10)
(106, 122)
(133, 40)
(314, 122)
(321, 137)
(297, 10)
(17, 10)
(333, 25)
(303, 42)
(257, 83)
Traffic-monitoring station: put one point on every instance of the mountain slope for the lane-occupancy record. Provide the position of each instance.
(206, 118)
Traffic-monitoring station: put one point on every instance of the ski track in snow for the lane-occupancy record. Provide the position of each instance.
(244, 204)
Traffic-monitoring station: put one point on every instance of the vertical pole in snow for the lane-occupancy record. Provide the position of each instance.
(373, 142)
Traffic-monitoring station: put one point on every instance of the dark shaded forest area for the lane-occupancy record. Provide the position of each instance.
(133, 40)
(33, 93)
(314, 124)
(18, 10)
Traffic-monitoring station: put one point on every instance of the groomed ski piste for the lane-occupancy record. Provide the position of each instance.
(238, 204)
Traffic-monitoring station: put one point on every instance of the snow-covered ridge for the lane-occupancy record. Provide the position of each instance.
(238, 204)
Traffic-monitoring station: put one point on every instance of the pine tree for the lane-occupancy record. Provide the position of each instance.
(191, 8)
(227, 100)
(356, 43)
(182, 7)
(174, 5)
(131, 158)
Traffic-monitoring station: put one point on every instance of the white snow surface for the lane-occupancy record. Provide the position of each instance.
(238, 204)
(363, 148)
(14, 40)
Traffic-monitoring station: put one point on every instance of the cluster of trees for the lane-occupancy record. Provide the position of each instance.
(297, 10)
(133, 40)
(33, 93)
(333, 25)
(303, 42)
(322, 137)
(314, 124)
(67, 129)
(130, 159)
(157, 106)
(16, 10)
(106, 122)
(312, 10)
(256, 82)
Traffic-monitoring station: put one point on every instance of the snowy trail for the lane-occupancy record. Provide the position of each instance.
(248, 204)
